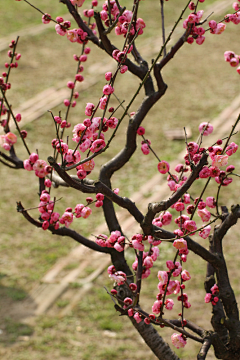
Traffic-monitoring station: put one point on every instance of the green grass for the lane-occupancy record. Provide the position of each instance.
(16, 329)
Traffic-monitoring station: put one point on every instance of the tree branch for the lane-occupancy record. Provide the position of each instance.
(90, 189)
(64, 231)
(154, 208)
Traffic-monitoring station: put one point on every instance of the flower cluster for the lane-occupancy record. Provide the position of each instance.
(118, 276)
(7, 140)
(46, 207)
(212, 297)
(232, 59)
(147, 263)
(115, 240)
(124, 20)
(196, 32)
(40, 167)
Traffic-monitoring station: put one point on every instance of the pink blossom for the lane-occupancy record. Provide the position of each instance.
(163, 167)
(220, 160)
(89, 109)
(79, 3)
(153, 241)
(48, 183)
(180, 244)
(178, 269)
(18, 117)
(141, 130)
(39, 168)
(81, 174)
(67, 218)
(63, 148)
(86, 212)
(123, 69)
(70, 158)
(204, 233)
(103, 102)
(192, 147)
(220, 28)
(146, 273)
(119, 276)
(190, 39)
(228, 55)
(234, 61)
(211, 202)
(118, 247)
(200, 40)
(155, 250)
(27, 165)
(45, 196)
(215, 150)
(85, 145)
(170, 264)
(108, 89)
(156, 308)
(212, 24)
(89, 165)
(231, 148)
(169, 304)
(173, 287)
(178, 232)
(112, 122)
(208, 128)
(79, 77)
(45, 225)
(108, 76)
(138, 245)
(230, 168)
(111, 269)
(163, 277)
(166, 218)
(130, 312)
(192, 18)
(66, 102)
(205, 172)
(97, 145)
(208, 298)
(179, 168)
(99, 196)
(190, 225)
(148, 262)
(186, 198)
(215, 289)
(60, 30)
(140, 24)
(179, 206)
(10, 138)
(127, 301)
(187, 304)
(204, 214)
(185, 275)
(145, 149)
(215, 171)
(46, 18)
(178, 341)
(171, 185)
(83, 58)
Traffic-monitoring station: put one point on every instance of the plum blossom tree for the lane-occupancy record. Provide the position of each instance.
(93, 26)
